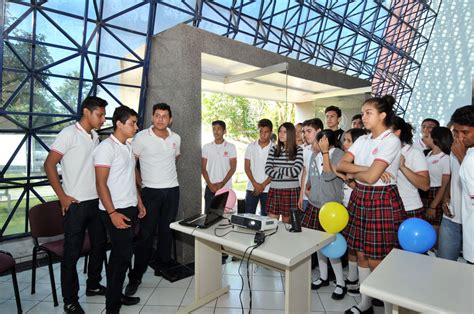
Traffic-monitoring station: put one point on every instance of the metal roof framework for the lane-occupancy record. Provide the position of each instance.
(381, 41)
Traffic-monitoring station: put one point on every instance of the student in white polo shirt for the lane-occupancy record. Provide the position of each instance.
(463, 126)
(156, 149)
(450, 230)
(413, 173)
(255, 159)
(218, 163)
(426, 126)
(311, 128)
(73, 148)
(119, 201)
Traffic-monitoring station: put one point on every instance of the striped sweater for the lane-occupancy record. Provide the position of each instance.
(284, 172)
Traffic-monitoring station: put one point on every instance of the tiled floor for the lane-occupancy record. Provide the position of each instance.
(160, 296)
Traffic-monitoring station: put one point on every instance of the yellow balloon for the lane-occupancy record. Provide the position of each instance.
(333, 217)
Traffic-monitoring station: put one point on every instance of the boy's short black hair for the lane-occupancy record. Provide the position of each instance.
(220, 123)
(91, 103)
(315, 123)
(431, 120)
(122, 114)
(334, 108)
(162, 106)
(265, 123)
(464, 116)
(357, 117)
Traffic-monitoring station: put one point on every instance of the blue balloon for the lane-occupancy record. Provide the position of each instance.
(416, 235)
(336, 248)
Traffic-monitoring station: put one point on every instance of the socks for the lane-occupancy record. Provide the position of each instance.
(323, 266)
(366, 301)
(353, 274)
(337, 267)
(387, 307)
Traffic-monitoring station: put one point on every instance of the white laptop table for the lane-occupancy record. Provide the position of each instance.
(284, 251)
(421, 283)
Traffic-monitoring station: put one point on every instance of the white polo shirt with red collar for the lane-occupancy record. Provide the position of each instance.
(76, 147)
(157, 158)
(111, 153)
(416, 162)
(257, 156)
(438, 166)
(419, 144)
(466, 173)
(386, 148)
(218, 160)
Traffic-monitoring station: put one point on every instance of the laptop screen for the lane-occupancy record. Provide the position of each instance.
(218, 204)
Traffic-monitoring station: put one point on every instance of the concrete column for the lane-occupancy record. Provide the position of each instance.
(175, 78)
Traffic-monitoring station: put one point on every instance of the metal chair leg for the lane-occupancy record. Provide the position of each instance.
(86, 263)
(51, 277)
(17, 293)
(33, 271)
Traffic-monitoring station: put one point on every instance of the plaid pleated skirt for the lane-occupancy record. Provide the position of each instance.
(310, 218)
(416, 213)
(426, 198)
(280, 201)
(376, 214)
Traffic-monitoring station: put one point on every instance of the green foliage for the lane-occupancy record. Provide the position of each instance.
(242, 114)
(43, 101)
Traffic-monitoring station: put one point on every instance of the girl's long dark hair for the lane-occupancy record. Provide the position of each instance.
(356, 133)
(443, 138)
(406, 130)
(290, 141)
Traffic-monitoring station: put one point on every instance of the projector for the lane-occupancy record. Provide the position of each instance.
(254, 222)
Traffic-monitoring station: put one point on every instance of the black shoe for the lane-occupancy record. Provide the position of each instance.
(315, 285)
(73, 308)
(370, 310)
(353, 291)
(339, 296)
(132, 287)
(99, 290)
(126, 300)
(351, 283)
(377, 302)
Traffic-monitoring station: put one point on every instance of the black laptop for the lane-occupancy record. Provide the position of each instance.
(213, 215)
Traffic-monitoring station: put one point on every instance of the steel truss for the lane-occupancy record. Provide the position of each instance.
(381, 41)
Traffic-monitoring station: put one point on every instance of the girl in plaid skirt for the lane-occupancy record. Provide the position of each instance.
(352, 280)
(413, 172)
(439, 143)
(377, 209)
(323, 186)
(284, 164)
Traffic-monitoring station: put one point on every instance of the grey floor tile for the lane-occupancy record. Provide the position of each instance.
(153, 309)
(9, 306)
(189, 298)
(331, 305)
(167, 296)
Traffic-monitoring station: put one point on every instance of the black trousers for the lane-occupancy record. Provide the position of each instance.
(79, 218)
(162, 208)
(120, 256)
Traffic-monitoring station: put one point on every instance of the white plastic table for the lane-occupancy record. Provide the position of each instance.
(284, 251)
(421, 283)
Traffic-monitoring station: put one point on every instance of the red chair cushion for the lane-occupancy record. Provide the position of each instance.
(57, 247)
(6, 262)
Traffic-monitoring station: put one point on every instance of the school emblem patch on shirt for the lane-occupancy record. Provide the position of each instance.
(435, 161)
(226, 154)
(375, 151)
(174, 145)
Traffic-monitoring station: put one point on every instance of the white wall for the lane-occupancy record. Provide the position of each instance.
(445, 79)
